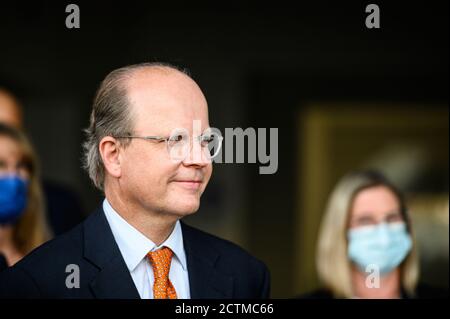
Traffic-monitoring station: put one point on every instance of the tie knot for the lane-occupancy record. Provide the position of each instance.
(160, 261)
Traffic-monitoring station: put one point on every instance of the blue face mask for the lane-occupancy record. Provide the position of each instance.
(385, 246)
(13, 198)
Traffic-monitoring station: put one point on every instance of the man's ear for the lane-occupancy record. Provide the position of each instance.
(110, 153)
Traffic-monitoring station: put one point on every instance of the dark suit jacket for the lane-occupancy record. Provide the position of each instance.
(217, 268)
(64, 209)
(3, 263)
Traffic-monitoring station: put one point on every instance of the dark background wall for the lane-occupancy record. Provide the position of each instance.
(258, 64)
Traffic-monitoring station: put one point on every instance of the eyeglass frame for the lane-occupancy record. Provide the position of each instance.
(166, 139)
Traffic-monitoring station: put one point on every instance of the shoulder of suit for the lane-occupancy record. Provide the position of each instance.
(69, 246)
(59, 249)
(222, 246)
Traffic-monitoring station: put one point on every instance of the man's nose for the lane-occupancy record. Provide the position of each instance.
(198, 155)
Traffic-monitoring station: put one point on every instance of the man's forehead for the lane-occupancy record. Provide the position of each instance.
(167, 126)
(168, 87)
(166, 101)
(167, 114)
(165, 83)
(158, 77)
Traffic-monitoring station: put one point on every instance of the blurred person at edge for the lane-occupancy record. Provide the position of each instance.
(22, 219)
(10, 109)
(64, 209)
(366, 248)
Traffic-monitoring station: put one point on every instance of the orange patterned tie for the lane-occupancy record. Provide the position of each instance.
(160, 261)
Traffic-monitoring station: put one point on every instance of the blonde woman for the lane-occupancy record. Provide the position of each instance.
(22, 220)
(366, 246)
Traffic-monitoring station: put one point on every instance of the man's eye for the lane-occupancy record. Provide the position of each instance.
(176, 138)
(205, 140)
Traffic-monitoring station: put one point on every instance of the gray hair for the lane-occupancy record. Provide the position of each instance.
(111, 116)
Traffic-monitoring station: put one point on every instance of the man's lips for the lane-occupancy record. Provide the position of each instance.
(189, 183)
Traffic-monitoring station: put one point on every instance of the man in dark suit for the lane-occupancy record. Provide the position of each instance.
(150, 149)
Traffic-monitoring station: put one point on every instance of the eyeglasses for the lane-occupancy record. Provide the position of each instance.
(179, 146)
(368, 220)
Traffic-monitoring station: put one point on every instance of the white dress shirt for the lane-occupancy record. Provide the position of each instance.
(134, 247)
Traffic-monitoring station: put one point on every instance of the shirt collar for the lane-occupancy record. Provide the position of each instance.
(134, 245)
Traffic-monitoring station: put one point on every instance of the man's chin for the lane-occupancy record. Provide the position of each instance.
(186, 209)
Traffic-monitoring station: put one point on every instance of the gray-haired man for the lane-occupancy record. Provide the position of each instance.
(149, 148)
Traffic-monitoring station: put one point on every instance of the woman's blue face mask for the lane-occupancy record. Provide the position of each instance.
(13, 198)
(384, 246)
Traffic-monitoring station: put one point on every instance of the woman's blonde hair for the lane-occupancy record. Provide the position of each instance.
(31, 230)
(333, 265)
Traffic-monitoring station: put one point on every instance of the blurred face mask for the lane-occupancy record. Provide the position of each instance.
(13, 198)
(384, 246)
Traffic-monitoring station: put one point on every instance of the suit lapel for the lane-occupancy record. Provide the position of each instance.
(205, 280)
(113, 279)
